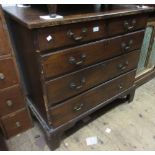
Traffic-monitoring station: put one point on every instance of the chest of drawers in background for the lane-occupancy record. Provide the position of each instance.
(76, 65)
(14, 116)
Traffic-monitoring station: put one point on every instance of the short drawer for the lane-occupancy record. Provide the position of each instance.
(65, 61)
(71, 34)
(16, 123)
(11, 100)
(126, 24)
(76, 106)
(72, 84)
(8, 74)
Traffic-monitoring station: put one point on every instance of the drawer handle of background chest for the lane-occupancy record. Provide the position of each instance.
(2, 76)
(77, 108)
(72, 60)
(129, 27)
(9, 103)
(18, 124)
(74, 86)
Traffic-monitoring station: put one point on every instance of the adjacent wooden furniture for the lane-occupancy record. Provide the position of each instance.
(76, 65)
(14, 116)
(146, 64)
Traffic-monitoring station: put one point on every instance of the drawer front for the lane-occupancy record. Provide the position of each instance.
(72, 108)
(72, 59)
(72, 34)
(4, 43)
(8, 74)
(69, 85)
(126, 24)
(11, 100)
(16, 123)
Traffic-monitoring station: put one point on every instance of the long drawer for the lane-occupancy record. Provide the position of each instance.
(72, 59)
(8, 73)
(16, 123)
(76, 106)
(69, 85)
(74, 34)
(11, 100)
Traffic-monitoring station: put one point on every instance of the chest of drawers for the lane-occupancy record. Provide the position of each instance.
(78, 64)
(14, 115)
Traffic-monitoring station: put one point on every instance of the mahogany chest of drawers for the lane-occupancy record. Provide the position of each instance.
(14, 116)
(76, 65)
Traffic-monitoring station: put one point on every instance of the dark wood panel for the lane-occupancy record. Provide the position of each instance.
(69, 85)
(71, 34)
(125, 25)
(16, 123)
(70, 109)
(3, 145)
(72, 59)
(8, 73)
(11, 100)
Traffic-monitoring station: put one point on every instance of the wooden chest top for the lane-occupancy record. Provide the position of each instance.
(30, 17)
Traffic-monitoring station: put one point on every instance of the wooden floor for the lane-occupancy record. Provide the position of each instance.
(132, 128)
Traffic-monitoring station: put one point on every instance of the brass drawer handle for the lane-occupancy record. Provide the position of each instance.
(123, 66)
(77, 38)
(72, 60)
(127, 46)
(78, 108)
(128, 26)
(9, 103)
(77, 87)
(2, 76)
(18, 124)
